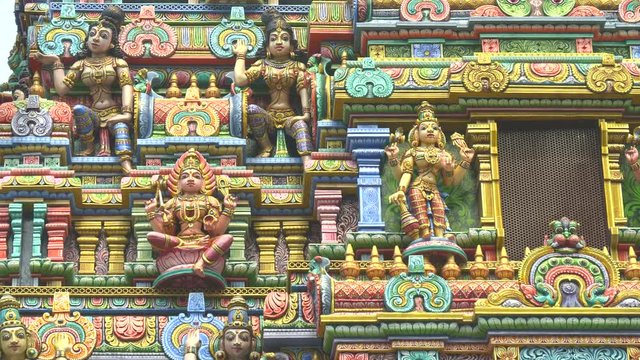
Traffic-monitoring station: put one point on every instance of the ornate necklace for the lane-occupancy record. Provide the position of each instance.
(277, 64)
(431, 154)
(190, 204)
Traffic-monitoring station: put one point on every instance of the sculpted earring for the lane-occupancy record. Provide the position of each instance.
(268, 54)
(292, 54)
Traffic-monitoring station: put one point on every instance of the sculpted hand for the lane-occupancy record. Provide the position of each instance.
(632, 155)
(45, 59)
(193, 339)
(118, 118)
(447, 162)
(230, 202)
(240, 47)
(391, 151)
(61, 343)
(306, 117)
(151, 205)
(467, 154)
(397, 198)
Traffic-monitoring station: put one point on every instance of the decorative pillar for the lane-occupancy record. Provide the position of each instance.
(141, 228)
(267, 239)
(238, 229)
(295, 233)
(613, 138)
(88, 231)
(366, 143)
(116, 231)
(327, 204)
(483, 137)
(15, 214)
(4, 231)
(39, 214)
(57, 227)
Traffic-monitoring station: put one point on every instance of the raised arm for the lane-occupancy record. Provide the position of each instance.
(62, 83)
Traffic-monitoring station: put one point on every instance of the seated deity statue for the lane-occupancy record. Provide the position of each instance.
(101, 64)
(189, 229)
(282, 73)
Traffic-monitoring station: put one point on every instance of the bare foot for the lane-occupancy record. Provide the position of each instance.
(88, 151)
(265, 153)
(198, 268)
(126, 166)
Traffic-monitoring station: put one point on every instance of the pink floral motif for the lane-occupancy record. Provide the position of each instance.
(584, 45)
(585, 10)
(546, 69)
(487, 11)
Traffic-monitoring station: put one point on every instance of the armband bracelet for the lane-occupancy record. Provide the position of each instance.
(393, 162)
(127, 109)
(151, 215)
(60, 354)
(228, 212)
(240, 56)
(465, 164)
(190, 350)
(402, 188)
(57, 65)
(636, 166)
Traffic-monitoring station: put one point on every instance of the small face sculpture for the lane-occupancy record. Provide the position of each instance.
(13, 342)
(18, 95)
(237, 344)
(99, 40)
(191, 181)
(280, 44)
(428, 133)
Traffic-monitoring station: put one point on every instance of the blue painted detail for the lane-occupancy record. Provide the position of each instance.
(299, 288)
(573, 353)
(186, 8)
(635, 52)
(196, 303)
(427, 50)
(65, 29)
(192, 319)
(235, 117)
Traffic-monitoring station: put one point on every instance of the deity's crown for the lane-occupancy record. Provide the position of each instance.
(280, 24)
(191, 161)
(426, 112)
(9, 315)
(238, 314)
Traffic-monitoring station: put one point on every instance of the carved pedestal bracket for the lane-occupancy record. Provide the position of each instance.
(327, 207)
(267, 239)
(88, 231)
(117, 231)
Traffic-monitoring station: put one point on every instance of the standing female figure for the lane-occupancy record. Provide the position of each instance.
(101, 64)
(281, 72)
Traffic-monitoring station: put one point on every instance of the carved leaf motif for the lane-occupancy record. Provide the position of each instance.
(307, 308)
(129, 328)
(347, 218)
(275, 304)
(282, 254)
(102, 255)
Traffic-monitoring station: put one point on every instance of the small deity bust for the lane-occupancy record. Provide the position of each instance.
(192, 224)
(421, 167)
(20, 91)
(16, 342)
(237, 341)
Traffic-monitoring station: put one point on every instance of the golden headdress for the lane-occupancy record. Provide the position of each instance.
(426, 112)
(193, 160)
(9, 315)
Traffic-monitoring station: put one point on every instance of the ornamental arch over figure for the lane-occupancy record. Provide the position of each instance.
(101, 64)
(281, 72)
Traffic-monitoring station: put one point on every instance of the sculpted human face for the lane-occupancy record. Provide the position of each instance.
(280, 45)
(99, 40)
(428, 133)
(237, 344)
(191, 181)
(18, 95)
(13, 343)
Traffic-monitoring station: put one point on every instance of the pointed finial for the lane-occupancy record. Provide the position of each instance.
(632, 255)
(350, 268)
(173, 91)
(450, 270)
(605, 250)
(398, 266)
(36, 88)
(527, 251)
(193, 92)
(212, 90)
(504, 270)
(428, 266)
(343, 58)
(375, 270)
(632, 271)
(479, 271)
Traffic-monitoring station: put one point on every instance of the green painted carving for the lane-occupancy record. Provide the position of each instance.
(141, 227)
(538, 46)
(460, 50)
(369, 82)
(238, 228)
(15, 214)
(402, 51)
(558, 7)
(39, 214)
(630, 195)
(236, 28)
(572, 353)
(415, 291)
(615, 50)
(515, 7)
(418, 355)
